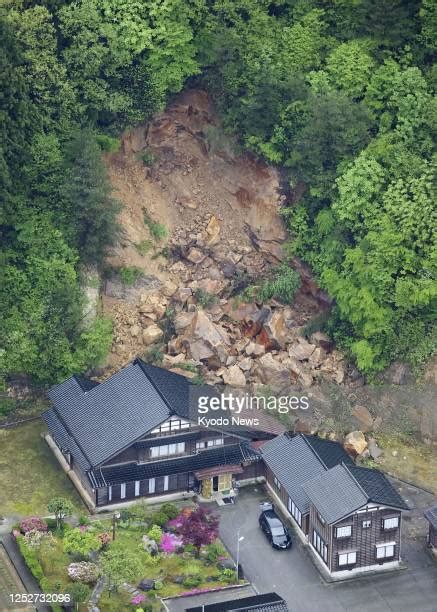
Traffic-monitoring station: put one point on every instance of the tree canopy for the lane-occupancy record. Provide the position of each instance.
(338, 94)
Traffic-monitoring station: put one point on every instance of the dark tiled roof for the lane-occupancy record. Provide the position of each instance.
(344, 489)
(85, 383)
(377, 487)
(110, 416)
(173, 388)
(329, 452)
(223, 455)
(266, 602)
(335, 493)
(63, 438)
(293, 461)
(431, 516)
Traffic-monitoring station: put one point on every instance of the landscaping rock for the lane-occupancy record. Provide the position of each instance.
(355, 443)
(226, 564)
(374, 450)
(146, 584)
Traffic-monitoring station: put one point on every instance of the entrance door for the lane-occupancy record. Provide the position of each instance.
(215, 483)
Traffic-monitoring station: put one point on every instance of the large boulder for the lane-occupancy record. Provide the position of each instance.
(152, 334)
(322, 340)
(183, 320)
(213, 232)
(234, 377)
(276, 330)
(202, 328)
(363, 417)
(355, 443)
(196, 256)
(272, 372)
(374, 450)
(302, 350)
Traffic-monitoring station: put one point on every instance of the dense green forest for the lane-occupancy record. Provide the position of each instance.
(338, 93)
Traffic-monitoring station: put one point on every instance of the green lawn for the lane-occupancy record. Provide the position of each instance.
(29, 473)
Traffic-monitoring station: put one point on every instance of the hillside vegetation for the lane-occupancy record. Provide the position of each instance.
(339, 94)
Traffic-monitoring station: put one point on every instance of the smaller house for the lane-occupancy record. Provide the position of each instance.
(266, 602)
(350, 515)
(431, 517)
(355, 519)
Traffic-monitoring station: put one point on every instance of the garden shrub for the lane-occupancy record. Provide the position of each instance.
(155, 533)
(84, 571)
(31, 559)
(32, 523)
(81, 542)
(35, 538)
(171, 510)
(192, 581)
(159, 518)
(158, 585)
(228, 575)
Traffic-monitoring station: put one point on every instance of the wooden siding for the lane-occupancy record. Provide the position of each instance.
(432, 536)
(283, 496)
(144, 454)
(362, 540)
(176, 483)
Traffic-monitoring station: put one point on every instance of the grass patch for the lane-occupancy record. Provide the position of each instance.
(144, 247)
(204, 298)
(283, 286)
(130, 274)
(157, 230)
(419, 465)
(147, 158)
(29, 473)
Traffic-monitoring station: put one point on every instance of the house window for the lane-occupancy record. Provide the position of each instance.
(385, 551)
(215, 442)
(276, 483)
(165, 483)
(200, 445)
(137, 488)
(167, 449)
(123, 490)
(320, 545)
(295, 512)
(349, 558)
(390, 523)
(367, 524)
(343, 532)
(151, 485)
(175, 424)
(110, 493)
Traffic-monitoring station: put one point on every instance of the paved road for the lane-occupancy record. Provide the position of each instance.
(293, 576)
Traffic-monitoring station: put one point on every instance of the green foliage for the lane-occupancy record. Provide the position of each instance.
(107, 143)
(130, 274)
(158, 231)
(7, 405)
(204, 298)
(282, 286)
(79, 592)
(144, 247)
(155, 533)
(30, 556)
(61, 508)
(121, 566)
(81, 542)
(147, 158)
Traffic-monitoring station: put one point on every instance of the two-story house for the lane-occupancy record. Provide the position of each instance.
(131, 436)
(350, 515)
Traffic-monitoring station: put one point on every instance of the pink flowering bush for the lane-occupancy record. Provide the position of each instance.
(35, 538)
(83, 571)
(138, 599)
(16, 533)
(104, 538)
(170, 542)
(197, 591)
(33, 523)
